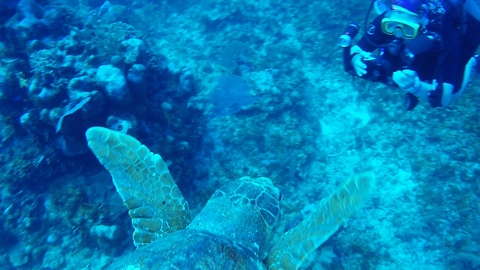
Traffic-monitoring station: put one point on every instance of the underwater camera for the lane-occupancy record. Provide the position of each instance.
(378, 68)
(395, 55)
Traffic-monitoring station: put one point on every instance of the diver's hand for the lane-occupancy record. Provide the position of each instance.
(407, 80)
(358, 65)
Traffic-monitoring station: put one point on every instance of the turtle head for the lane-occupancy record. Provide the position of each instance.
(257, 192)
(244, 211)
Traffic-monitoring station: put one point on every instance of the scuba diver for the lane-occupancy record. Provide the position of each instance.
(426, 48)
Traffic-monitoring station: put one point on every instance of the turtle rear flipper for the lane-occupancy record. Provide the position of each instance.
(142, 179)
(295, 245)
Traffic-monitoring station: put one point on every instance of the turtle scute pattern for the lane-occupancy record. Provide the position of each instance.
(156, 207)
(244, 211)
(294, 246)
(233, 230)
(230, 232)
(258, 192)
(189, 250)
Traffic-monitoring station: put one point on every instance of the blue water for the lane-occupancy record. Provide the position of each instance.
(222, 89)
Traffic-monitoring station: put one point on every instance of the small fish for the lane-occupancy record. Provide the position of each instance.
(295, 221)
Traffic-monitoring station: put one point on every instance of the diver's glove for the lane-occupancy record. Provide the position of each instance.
(407, 80)
(358, 55)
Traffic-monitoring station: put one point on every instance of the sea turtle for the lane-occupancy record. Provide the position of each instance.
(232, 231)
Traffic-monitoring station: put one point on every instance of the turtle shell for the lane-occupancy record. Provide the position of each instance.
(190, 249)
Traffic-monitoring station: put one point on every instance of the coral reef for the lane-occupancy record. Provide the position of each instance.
(297, 118)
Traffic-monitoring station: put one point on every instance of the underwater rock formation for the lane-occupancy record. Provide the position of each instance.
(114, 84)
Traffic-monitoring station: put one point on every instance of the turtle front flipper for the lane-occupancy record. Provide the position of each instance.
(295, 245)
(142, 179)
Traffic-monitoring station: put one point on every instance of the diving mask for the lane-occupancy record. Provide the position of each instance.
(403, 20)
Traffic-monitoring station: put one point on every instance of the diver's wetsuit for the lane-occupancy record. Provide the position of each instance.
(445, 62)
